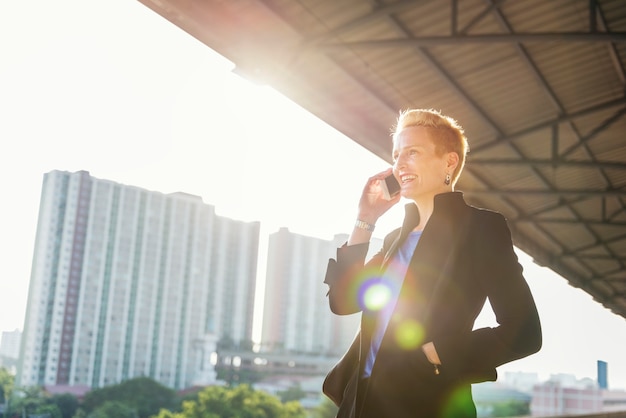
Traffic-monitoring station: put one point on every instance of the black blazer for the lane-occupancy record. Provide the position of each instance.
(464, 257)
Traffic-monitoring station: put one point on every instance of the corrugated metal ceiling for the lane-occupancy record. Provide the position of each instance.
(538, 85)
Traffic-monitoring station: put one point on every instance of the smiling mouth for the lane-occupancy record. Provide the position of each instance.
(407, 178)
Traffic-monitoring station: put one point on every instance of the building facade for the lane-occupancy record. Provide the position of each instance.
(296, 316)
(10, 350)
(557, 397)
(128, 282)
(10, 344)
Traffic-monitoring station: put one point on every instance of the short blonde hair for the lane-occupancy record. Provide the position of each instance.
(446, 132)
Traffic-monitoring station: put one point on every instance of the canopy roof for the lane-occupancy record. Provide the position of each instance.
(539, 87)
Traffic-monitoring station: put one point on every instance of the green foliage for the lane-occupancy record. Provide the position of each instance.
(294, 393)
(7, 382)
(32, 398)
(326, 409)
(66, 403)
(143, 395)
(49, 410)
(113, 409)
(80, 413)
(236, 376)
(510, 409)
(35, 401)
(238, 402)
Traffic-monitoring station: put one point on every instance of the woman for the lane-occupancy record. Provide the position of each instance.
(417, 353)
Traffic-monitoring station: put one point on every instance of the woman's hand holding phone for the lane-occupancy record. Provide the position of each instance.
(381, 192)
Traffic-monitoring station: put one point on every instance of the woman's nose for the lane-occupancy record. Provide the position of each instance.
(399, 162)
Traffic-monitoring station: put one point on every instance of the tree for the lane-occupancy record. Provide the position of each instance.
(293, 393)
(34, 401)
(238, 375)
(80, 413)
(67, 404)
(31, 400)
(7, 381)
(240, 402)
(510, 409)
(48, 410)
(326, 409)
(141, 394)
(113, 409)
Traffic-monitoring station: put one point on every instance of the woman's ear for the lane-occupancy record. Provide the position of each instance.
(452, 161)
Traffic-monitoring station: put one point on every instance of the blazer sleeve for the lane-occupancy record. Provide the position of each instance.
(518, 334)
(348, 273)
(342, 277)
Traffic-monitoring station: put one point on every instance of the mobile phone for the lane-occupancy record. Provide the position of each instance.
(390, 187)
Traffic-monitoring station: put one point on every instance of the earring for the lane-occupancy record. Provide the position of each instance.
(447, 180)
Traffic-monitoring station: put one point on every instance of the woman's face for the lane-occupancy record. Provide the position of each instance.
(419, 170)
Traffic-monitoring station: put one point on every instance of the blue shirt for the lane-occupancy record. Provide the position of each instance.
(392, 279)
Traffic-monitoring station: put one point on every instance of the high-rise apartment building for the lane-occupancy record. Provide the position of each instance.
(296, 316)
(10, 351)
(128, 282)
(10, 344)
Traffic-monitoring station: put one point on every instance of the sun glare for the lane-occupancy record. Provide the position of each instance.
(376, 296)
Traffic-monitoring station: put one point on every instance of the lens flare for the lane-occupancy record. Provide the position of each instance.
(376, 296)
(375, 292)
(409, 335)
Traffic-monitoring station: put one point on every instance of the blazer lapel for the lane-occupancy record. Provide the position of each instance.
(430, 267)
(439, 259)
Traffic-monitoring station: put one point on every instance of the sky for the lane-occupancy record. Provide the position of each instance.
(116, 90)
